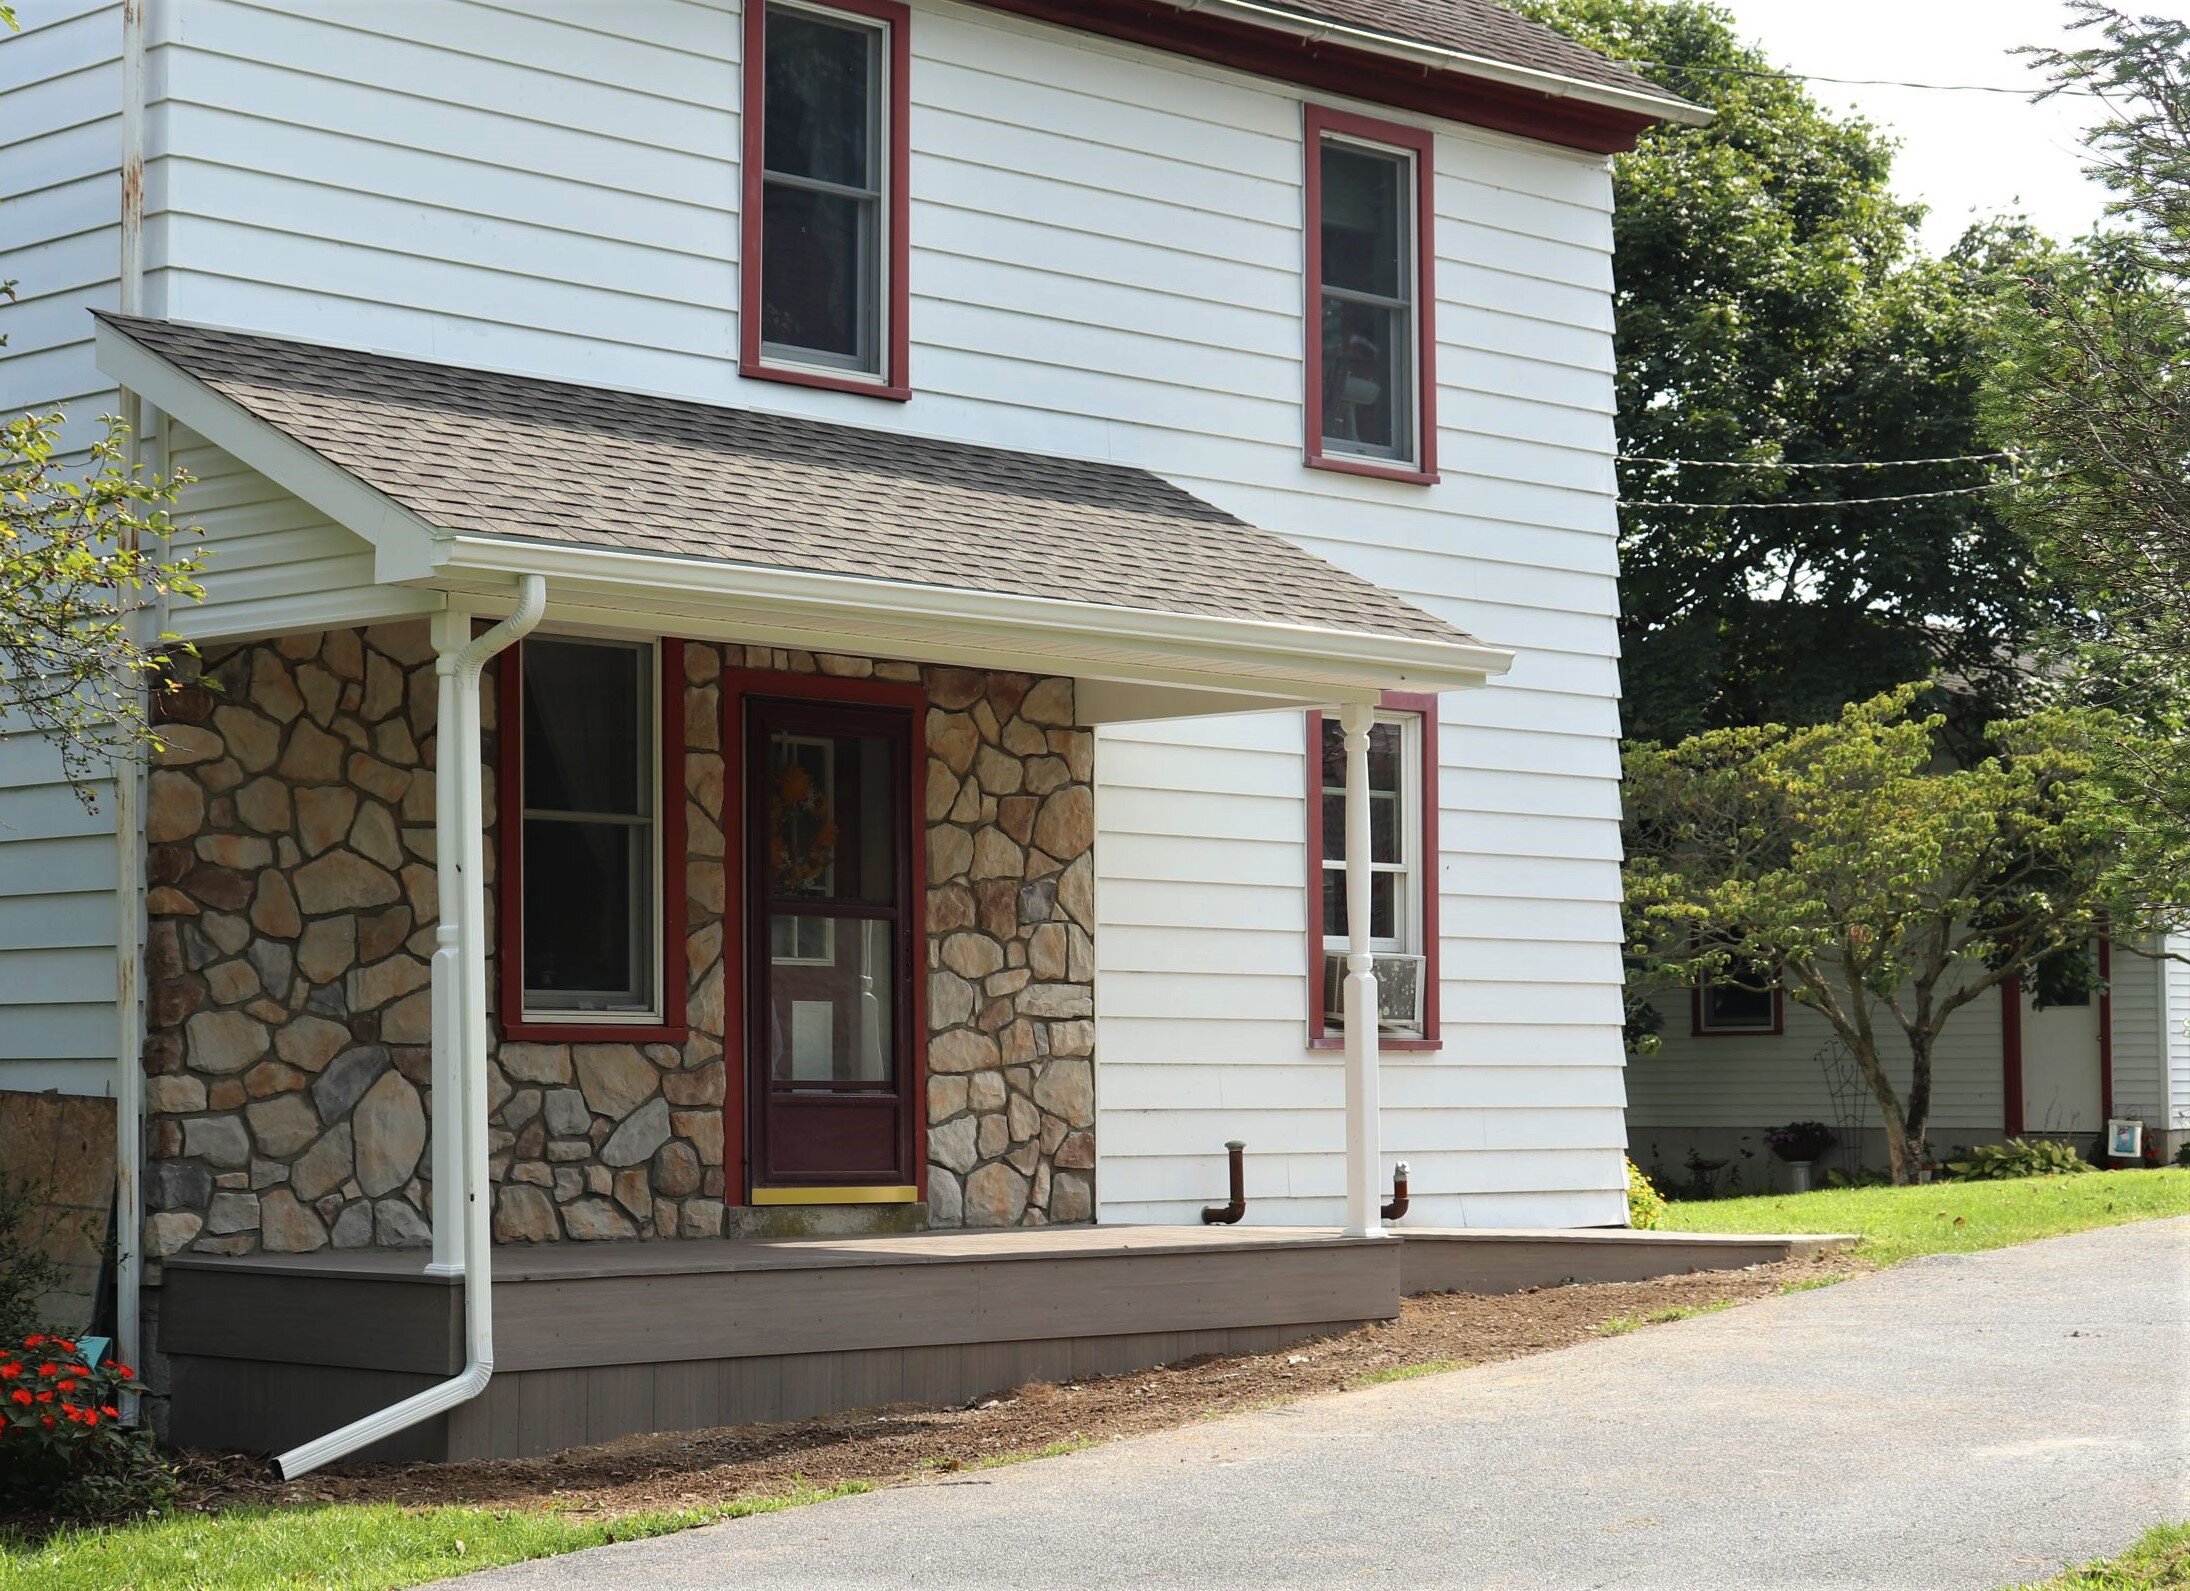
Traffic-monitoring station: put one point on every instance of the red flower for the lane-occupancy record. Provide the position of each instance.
(10, 1370)
(48, 1422)
(66, 1345)
(66, 1385)
(48, 1368)
(45, 1397)
(110, 1411)
(20, 1395)
(34, 1340)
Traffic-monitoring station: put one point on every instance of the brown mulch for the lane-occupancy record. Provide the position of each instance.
(697, 1469)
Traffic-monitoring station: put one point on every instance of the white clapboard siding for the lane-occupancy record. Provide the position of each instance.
(271, 562)
(1750, 1082)
(2138, 1009)
(60, 241)
(1106, 264)
(2175, 1028)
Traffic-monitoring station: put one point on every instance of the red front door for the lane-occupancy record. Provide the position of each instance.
(830, 942)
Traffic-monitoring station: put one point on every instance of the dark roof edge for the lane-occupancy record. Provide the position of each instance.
(1388, 68)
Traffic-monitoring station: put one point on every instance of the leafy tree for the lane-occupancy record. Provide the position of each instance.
(2093, 381)
(1885, 887)
(1773, 308)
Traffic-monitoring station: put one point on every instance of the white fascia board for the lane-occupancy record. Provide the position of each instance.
(843, 613)
(263, 618)
(1555, 85)
(402, 542)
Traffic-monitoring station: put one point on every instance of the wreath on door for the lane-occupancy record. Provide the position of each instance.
(803, 831)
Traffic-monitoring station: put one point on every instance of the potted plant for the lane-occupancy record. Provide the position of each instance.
(1800, 1144)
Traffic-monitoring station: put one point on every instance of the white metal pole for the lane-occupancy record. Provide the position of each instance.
(1364, 1194)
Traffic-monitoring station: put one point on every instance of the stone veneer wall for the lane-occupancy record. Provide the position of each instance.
(291, 842)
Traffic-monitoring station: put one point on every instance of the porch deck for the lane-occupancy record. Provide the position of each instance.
(596, 1341)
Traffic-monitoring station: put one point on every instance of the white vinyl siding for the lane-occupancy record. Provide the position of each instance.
(2140, 1040)
(60, 240)
(1106, 263)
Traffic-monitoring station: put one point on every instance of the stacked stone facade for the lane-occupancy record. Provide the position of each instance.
(291, 860)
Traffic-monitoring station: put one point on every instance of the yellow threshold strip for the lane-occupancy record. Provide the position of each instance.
(861, 1195)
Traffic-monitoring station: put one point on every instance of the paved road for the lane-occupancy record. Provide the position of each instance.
(1959, 1421)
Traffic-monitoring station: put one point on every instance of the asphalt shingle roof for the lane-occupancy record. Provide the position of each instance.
(474, 452)
(1478, 27)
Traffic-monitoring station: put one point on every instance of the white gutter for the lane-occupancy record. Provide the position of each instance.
(1556, 85)
(460, 1029)
(129, 774)
(1063, 629)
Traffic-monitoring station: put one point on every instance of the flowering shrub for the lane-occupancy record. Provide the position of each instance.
(63, 1447)
(1645, 1205)
(1801, 1140)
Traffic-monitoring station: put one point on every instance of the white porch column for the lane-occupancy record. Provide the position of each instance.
(1364, 1192)
(451, 632)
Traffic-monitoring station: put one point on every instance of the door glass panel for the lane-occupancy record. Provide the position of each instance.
(830, 1014)
(832, 822)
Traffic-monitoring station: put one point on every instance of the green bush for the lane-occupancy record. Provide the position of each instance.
(64, 1451)
(1645, 1205)
(2018, 1157)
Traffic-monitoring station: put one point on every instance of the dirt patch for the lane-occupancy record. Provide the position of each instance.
(905, 1443)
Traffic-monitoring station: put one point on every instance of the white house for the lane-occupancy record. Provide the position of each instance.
(992, 534)
(1733, 1063)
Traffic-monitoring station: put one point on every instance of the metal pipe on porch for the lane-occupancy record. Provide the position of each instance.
(1364, 1193)
(460, 1025)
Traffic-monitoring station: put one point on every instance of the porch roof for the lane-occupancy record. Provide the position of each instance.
(458, 475)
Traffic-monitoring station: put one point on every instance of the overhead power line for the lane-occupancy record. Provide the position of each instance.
(1778, 464)
(1821, 504)
(1769, 73)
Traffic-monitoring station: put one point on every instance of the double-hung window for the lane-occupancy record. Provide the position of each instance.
(1371, 378)
(590, 852)
(1402, 861)
(824, 228)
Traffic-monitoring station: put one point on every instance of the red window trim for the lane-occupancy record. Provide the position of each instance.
(737, 685)
(1424, 706)
(509, 871)
(895, 381)
(1316, 122)
(1696, 1029)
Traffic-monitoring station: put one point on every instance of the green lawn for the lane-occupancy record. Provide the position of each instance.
(2160, 1561)
(1954, 1217)
(336, 1548)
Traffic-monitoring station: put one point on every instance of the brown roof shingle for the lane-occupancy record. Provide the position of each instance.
(1478, 27)
(479, 453)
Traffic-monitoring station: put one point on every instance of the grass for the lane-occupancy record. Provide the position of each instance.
(341, 1547)
(1428, 1367)
(1948, 1217)
(1621, 1325)
(1057, 1449)
(2158, 1561)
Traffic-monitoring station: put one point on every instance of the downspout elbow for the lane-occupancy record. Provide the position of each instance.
(1235, 1151)
(1397, 1209)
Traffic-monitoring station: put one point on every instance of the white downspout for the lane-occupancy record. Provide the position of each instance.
(129, 837)
(1364, 1192)
(460, 1049)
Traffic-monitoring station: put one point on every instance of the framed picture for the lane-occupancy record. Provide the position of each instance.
(2124, 1140)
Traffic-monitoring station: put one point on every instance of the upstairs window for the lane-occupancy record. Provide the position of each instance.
(824, 227)
(1371, 291)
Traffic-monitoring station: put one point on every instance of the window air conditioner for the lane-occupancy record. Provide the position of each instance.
(1398, 991)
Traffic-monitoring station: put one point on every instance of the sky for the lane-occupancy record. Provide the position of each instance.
(1962, 155)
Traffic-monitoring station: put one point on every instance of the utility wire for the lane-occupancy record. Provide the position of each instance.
(1855, 464)
(1831, 502)
(1773, 73)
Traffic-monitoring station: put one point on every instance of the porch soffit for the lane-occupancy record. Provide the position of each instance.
(839, 535)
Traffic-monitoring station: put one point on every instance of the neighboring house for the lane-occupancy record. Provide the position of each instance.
(1735, 1062)
(987, 486)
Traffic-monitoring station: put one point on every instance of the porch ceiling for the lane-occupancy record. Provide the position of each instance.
(785, 529)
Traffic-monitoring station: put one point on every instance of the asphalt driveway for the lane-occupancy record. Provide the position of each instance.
(1956, 1422)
